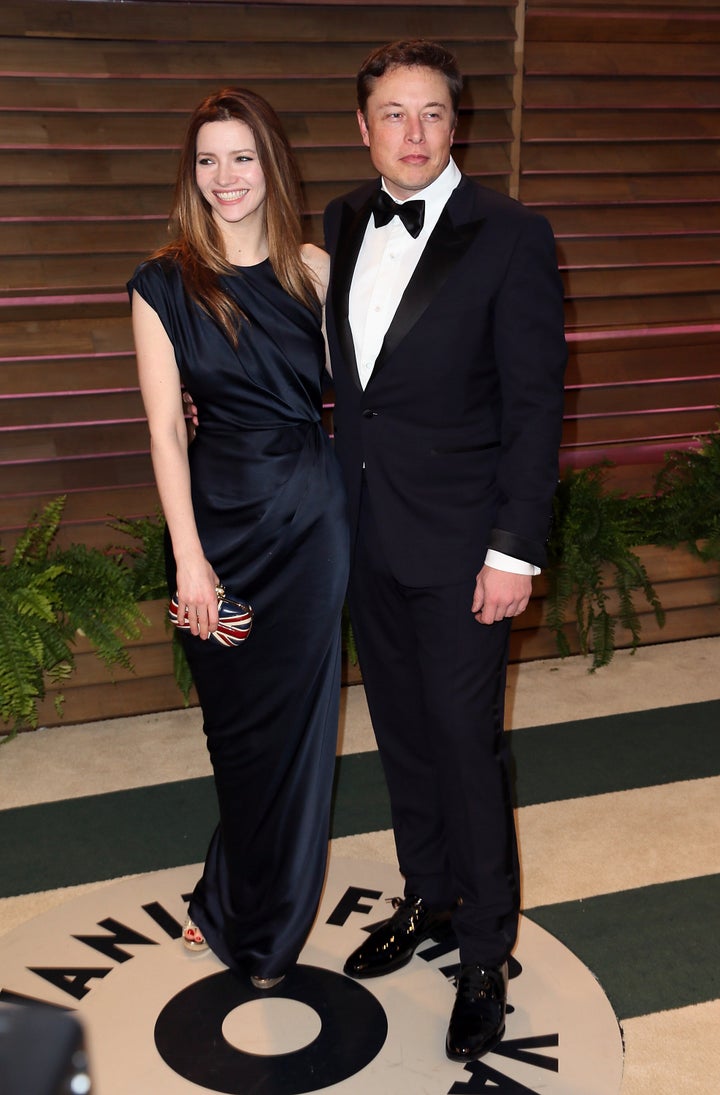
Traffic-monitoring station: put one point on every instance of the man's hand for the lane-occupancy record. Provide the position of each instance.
(499, 593)
(188, 401)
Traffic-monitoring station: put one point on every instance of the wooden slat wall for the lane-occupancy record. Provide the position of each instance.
(621, 150)
(94, 97)
(610, 127)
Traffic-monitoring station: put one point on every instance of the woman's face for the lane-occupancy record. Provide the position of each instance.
(228, 172)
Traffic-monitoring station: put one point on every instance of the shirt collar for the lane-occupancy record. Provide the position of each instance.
(437, 193)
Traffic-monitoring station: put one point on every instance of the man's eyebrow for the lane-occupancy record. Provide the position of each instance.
(391, 102)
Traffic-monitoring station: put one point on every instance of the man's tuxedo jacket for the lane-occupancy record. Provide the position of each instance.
(459, 426)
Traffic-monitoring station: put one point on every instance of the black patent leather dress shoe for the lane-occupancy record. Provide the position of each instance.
(477, 1022)
(392, 945)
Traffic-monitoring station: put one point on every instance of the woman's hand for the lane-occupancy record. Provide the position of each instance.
(196, 584)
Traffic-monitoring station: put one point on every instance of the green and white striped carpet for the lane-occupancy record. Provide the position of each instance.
(618, 793)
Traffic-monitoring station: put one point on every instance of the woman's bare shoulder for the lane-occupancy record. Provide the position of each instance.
(318, 262)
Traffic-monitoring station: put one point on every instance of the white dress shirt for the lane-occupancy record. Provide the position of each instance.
(386, 262)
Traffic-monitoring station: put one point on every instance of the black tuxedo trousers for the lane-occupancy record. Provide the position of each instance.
(435, 683)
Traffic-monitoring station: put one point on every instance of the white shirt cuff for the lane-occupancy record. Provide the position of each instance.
(500, 561)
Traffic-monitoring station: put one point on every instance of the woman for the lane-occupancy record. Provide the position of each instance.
(231, 308)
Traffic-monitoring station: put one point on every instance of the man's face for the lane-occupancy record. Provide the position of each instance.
(409, 128)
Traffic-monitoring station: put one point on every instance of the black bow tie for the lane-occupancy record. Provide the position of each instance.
(411, 213)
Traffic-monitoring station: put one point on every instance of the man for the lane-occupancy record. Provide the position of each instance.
(448, 353)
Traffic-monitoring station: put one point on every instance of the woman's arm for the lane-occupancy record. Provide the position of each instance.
(162, 397)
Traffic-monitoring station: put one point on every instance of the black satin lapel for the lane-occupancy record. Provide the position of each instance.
(446, 246)
(352, 229)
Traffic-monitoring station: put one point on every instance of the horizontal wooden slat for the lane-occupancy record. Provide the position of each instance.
(658, 311)
(626, 477)
(639, 251)
(84, 510)
(180, 96)
(112, 700)
(70, 271)
(638, 399)
(82, 130)
(668, 568)
(77, 272)
(55, 410)
(669, 425)
(683, 624)
(633, 468)
(591, 312)
(636, 157)
(642, 280)
(89, 374)
(219, 59)
(51, 476)
(175, 95)
(246, 23)
(559, 23)
(633, 267)
(616, 92)
(633, 219)
(69, 202)
(67, 237)
(673, 564)
(46, 305)
(667, 398)
(641, 364)
(661, 6)
(621, 59)
(150, 660)
(58, 201)
(627, 186)
(83, 440)
(157, 167)
(698, 593)
(642, 337)
(61, 336)
(628, 125)
(138, 695)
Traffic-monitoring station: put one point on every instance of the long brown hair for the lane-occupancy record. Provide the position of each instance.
(197, 242)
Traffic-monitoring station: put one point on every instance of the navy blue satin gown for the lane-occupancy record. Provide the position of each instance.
(270, 511)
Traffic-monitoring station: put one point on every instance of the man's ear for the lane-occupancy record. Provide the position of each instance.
(363, 128)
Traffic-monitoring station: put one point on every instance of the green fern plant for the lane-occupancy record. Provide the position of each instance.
(146, 558)
(147, 565)
(48, 594)
(688, 499)
(595, 530)
(348, 635)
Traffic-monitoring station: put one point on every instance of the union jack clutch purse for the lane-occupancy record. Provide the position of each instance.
(234, 619)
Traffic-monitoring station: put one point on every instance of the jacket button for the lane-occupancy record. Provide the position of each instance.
(369, 414)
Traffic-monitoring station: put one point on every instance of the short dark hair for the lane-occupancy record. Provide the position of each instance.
(409, 53)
